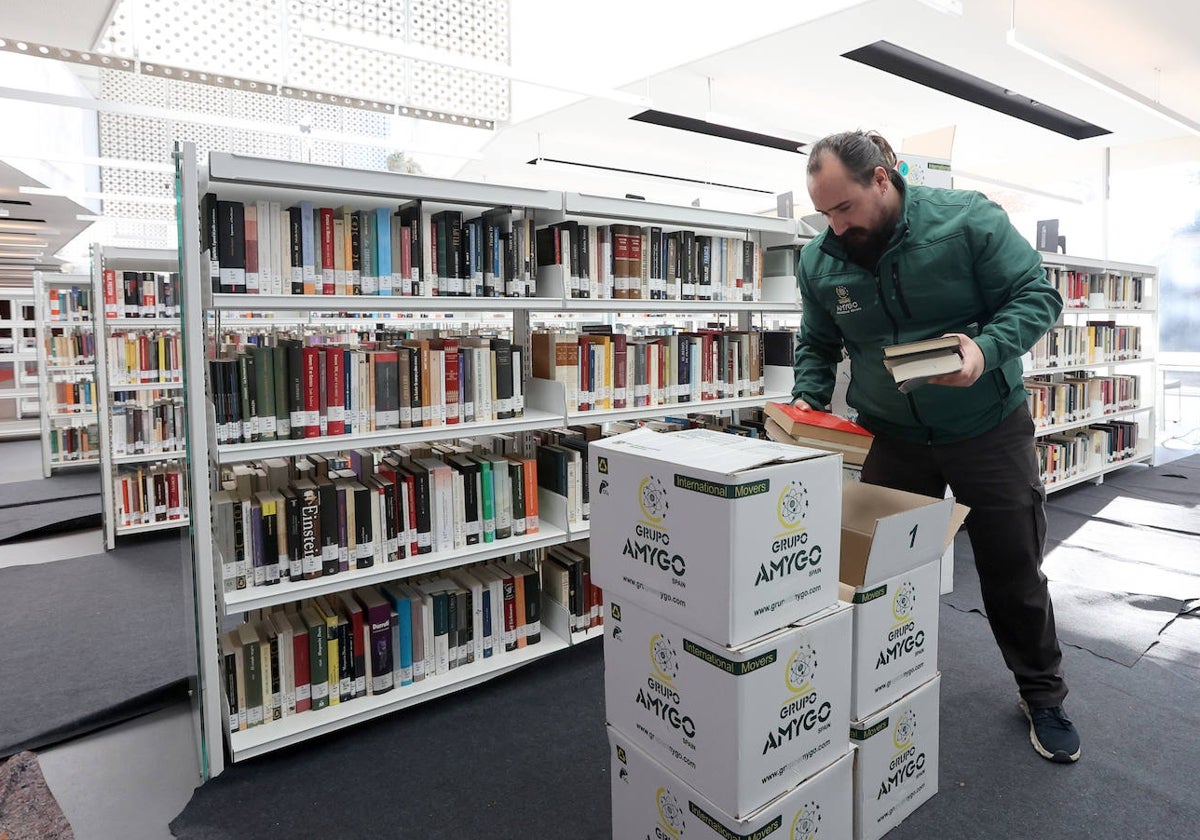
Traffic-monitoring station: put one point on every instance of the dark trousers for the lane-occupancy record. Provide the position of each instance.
(996, 475)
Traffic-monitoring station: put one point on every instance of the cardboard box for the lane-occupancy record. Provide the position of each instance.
(895, 643)
(729, 537)
(896, 763)
(852, 472)
(892, 543)
(649, 801)
(740, 725)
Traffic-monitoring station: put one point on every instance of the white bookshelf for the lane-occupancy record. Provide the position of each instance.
(56, 420)
(18, 363)
(236, 178)
(113, 320)
(1124, 309)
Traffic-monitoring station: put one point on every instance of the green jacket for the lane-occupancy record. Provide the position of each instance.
(955, 263)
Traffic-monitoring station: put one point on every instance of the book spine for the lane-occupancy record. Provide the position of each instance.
(311, 361)
(335, 390)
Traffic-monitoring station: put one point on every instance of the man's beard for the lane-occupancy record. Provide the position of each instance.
(866, 246)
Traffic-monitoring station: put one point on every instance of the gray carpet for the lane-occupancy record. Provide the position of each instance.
(1127, 550)
(66, 501)
(1165, 497)
(42, 519)
(65, 485)
(1136, 778)
(525, 757)
(1120, 626)
(110, 637)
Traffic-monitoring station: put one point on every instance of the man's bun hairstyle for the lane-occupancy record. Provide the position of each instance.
(859, 152)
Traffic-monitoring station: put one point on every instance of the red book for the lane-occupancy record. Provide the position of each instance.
(450, 364)
(411, 514)
(328, 278)
(708, 389)
(798, 422)
(635, 263)
(531, 496)
(173, 506)
(300, 668)
(335, 390)
(663, 354)
(250, 225)
(620, 355)
(818, 429)
(110, 294)
(620, 261)
(406, 257)
(592, 613)
(587, 399)
(310, 381)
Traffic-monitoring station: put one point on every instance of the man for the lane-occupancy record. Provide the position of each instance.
(900, 263)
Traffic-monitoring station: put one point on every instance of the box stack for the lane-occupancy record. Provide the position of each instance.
(726, 650)
(892, 543)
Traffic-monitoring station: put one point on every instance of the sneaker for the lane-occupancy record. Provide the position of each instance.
(1052, 733)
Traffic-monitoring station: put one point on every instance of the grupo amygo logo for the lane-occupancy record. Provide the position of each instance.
(792, 506)
(801, 668)
(807, 824)
(652, 496)
(905, 730)
(670, 813)
(664, 658)
(904, 601)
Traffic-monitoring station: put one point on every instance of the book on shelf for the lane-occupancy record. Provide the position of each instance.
(606, 370)
(288, 389)
(262, 247)
(913, 363)
(150, 493)
(69, 306)
(140, 294)
(316, 516)
(366, 641)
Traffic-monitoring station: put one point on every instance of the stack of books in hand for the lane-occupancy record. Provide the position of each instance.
(913, 363)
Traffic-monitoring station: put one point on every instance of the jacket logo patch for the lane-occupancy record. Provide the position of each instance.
(845, 305)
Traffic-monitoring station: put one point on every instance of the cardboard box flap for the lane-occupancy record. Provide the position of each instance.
(886, 532)
(703, 449)
(957, 516)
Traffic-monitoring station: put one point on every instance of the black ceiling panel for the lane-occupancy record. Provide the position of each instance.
(726, 132)
(886, 56)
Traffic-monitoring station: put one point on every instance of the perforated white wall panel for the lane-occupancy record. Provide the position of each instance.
(232, 37)
(134, 233)
(264, 40)
(227, 48)
(477, 28)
